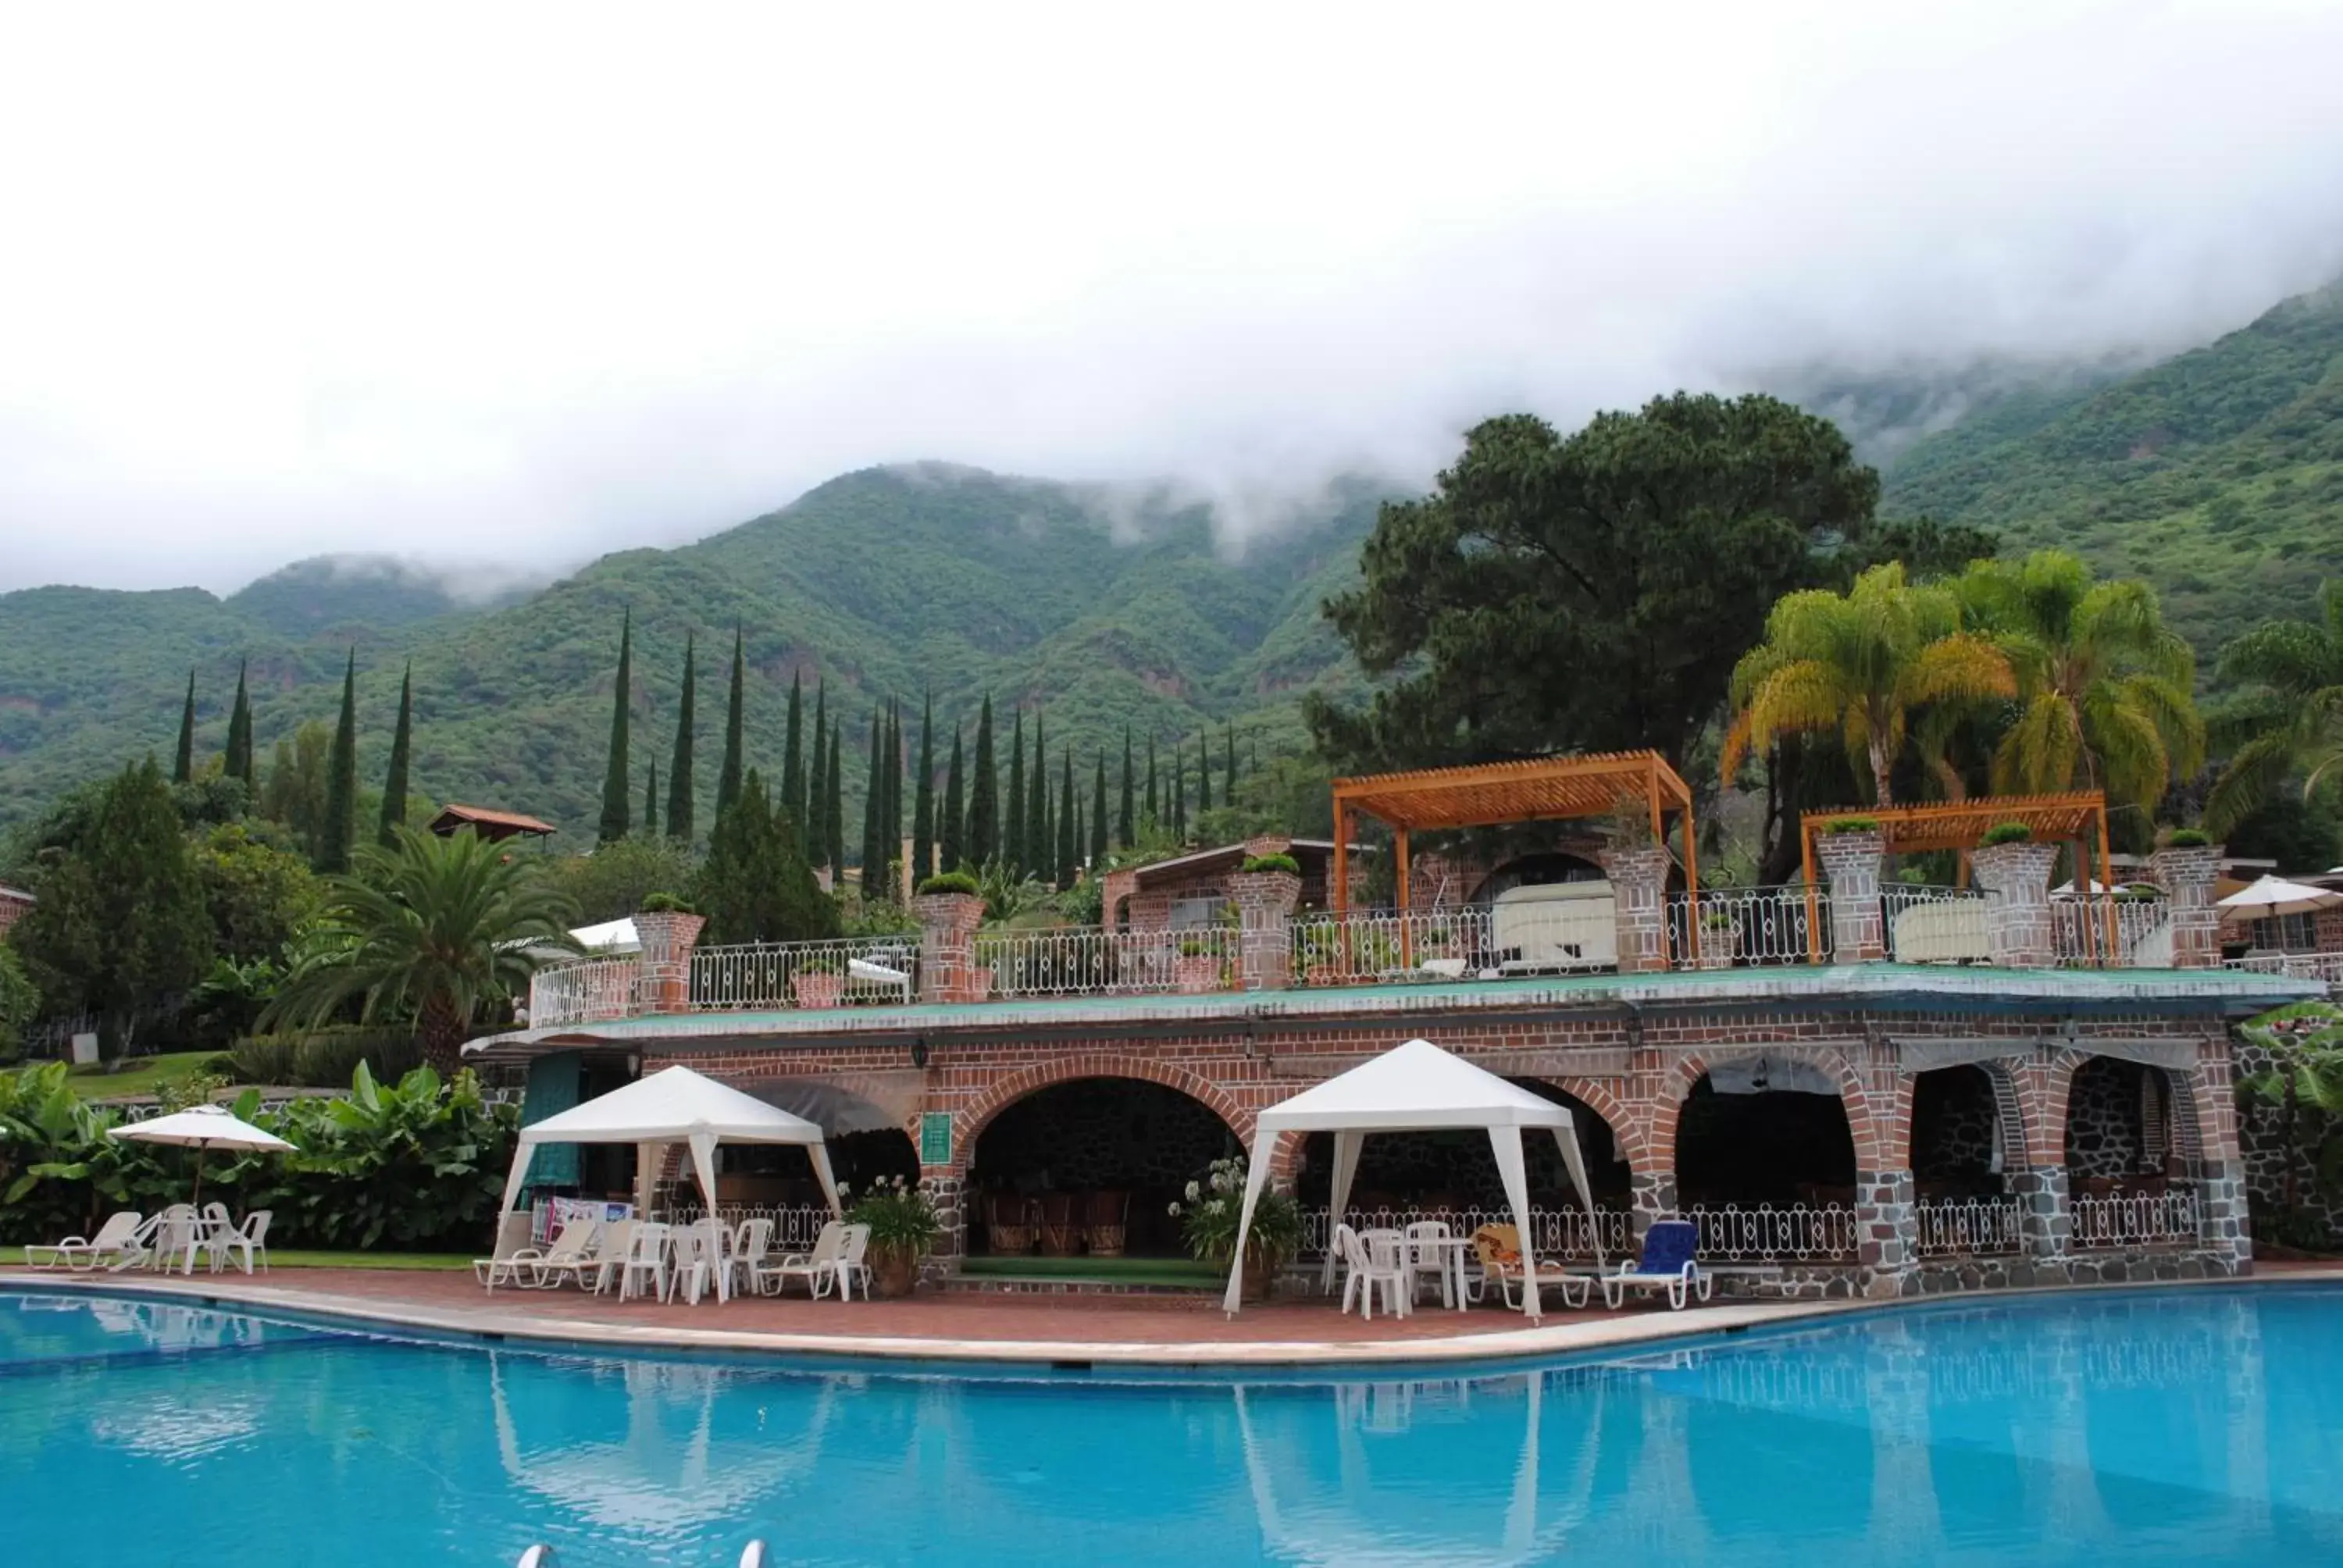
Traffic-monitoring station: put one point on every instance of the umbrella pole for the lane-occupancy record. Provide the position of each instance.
(201, 1149)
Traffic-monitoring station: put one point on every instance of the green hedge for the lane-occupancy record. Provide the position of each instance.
(324, 1058)
(951, 882)
(1285, 863)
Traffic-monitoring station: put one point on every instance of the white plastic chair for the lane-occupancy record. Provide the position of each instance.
(850, 1266)
(1367, 1268)
(646, 1257)
(1433, 1262)
(701, 1263)
(175, 1239)
(753, 1243)
(241, 1247)
(810, 1267)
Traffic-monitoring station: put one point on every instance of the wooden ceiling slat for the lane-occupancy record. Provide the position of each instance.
(1494, 794)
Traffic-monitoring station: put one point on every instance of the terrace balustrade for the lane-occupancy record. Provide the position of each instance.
(1792, 1233)
(2165, 1218)
(1554, 1233)
(1968, 1227)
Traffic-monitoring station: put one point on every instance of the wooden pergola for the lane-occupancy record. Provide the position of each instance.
(1499, 794)
(2074, 818)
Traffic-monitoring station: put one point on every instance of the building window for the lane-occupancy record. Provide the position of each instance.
(1188, 914)
(2286, 933)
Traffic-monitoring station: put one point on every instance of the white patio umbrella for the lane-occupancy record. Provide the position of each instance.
(201, 1128)
(2270, 896)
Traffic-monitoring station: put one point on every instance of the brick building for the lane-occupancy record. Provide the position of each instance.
(15, 905)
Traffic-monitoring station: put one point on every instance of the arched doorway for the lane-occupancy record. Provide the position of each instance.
(1091, 1165)
(1960, 1141)
(1550, 911)
(2132, 1151)
(1766, 1162)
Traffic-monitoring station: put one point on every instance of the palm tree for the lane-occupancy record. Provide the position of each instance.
(2103, 685)
(1862, 664)
(434, 929)
(2291, 720)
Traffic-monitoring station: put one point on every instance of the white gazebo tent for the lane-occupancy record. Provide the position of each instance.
(1416, 1088)
(675, 1105)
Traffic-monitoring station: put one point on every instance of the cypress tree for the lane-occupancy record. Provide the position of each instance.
(337, 834)
(793, 770)
(894, 817)
(618, 815)
(1012, 819)
(950, 843)
(874, 801)
(754, 885)
(1066, 826)
(1097, 817)
(650, 805)
(815, 829)
(1229, 771)
(923, 799)
(983, 835)
(239, 734)
(1179, 796)
(394, 783)
(1203, 772)
(728, 777)
(834, 813)
(679, 785)
(1122, 823)
(183, 766)
(1155, 798)
(1041, 849)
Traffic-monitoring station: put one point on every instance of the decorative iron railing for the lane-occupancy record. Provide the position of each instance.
(594, 990)
(2149, 1219)
(1798, 1232)
(758, 977)
(1087, 961)
(1969, 1227)
(2082, 926)
(1932, 925)
(2328, 967)
(1554, 1232)
(1751, 925)
(1370, 947)
(796, 1226)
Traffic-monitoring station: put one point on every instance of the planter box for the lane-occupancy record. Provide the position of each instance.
(818, 990)
(1196, 975)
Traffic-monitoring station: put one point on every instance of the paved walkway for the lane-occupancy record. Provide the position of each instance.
(970, 1327)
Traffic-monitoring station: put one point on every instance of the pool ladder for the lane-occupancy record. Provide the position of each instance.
(541, 1556)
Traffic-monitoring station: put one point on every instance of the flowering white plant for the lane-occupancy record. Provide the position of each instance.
(1214, 1205)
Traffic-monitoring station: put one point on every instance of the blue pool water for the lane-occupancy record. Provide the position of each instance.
(2203, 1426)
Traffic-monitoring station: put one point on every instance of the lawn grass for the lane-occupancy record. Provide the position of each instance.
(1119, 1270)
(144, 1075)
(294, 1258)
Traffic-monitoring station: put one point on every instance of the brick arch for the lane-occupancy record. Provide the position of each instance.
(1629, 1131)
(969, 1124)
(2011, 1094)
(2192, 1131)
(1871, 1147)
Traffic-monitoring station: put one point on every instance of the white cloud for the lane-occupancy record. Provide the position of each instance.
(528, 284)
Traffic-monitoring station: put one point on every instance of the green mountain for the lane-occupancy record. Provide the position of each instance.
(889, 581)
(2215, 475)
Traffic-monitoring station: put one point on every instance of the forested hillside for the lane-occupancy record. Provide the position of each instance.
(896, 581)
(2217, 475)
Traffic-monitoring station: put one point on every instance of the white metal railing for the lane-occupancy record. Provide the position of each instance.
(1969, 1226)
(1933, 925)
(1554, 1232)
(1370, 946)
(1749, 926)
(2328, 967)
(1798, 1232)
(2079, 926)
(796, 1226)
(594, 990)
(2150, 1219)
(1087, 961)
(859, 972)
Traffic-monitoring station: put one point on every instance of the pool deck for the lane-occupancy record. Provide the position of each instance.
(1095, 1330)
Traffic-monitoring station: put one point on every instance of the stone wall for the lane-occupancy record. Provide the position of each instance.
(1953, 1114)
(2103, 1131)
(2316, 1223)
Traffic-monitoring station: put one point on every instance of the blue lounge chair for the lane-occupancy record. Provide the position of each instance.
(1667, 1265)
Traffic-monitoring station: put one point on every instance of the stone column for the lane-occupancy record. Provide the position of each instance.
(668, 938)
(1265, 901)
(1650, 1195)
(1851, 863)
(2223, 1227)
(1639, 890)
(2017, 881)
(947, 971)
(2044, 1219)
(1887, 1231)
(946, 1188)
(2188, 876)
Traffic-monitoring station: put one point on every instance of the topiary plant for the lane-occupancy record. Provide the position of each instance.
(1286, 863)
(665, 904)
(950, 883)
(2187, 838)
(1852, 824)
(2006, 833)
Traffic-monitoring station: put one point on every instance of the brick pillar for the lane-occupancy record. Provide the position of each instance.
(2044, 1219)
(1639, 890)
(1851, 863)
(1265, 901)
(2017, 881)
(1113, 892)
(2187, 878)
(668, 937)
(946, 1188)
(2223, 1227)
(1888, 1231)
(947, 971)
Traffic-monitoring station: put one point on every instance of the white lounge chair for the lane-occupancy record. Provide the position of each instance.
(814, 1268)
(570, 1251)
(1499, 1247)
(117, 1242)
(1363, 1271)
(503, 1266)
(1668, 1266)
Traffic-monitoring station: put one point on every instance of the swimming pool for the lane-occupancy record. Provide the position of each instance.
(2198, 1427)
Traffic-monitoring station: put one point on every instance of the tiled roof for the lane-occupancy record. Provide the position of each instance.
(456, 816)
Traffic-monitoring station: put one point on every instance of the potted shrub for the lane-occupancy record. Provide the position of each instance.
(2006, 833)
(903, 1226)
(1198, 967)
(2187, 838)
(963, 883)
(819, 980)
(1263, 865)
(1851, 825)
(1207, 1217)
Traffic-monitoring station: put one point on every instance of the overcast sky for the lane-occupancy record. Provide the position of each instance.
(494, 283)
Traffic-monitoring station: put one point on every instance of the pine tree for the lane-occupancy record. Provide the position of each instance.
(951, 851)
(239, 735)
(679, 785)
(982, 836)
(650, 805)
(815, 829)
(1122, 823)
(394, 783)
(1155, 798)
(1066, 826)
(183, 767)
(1040, 848)
(337, 834)
(618, 814)
(834, 814)
(728, 777)
(1012, 820)
(1097, 817)
(794, 793)
(874, 801)
(923, 799)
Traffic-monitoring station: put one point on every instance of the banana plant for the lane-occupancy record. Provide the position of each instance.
(2303, 1044)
